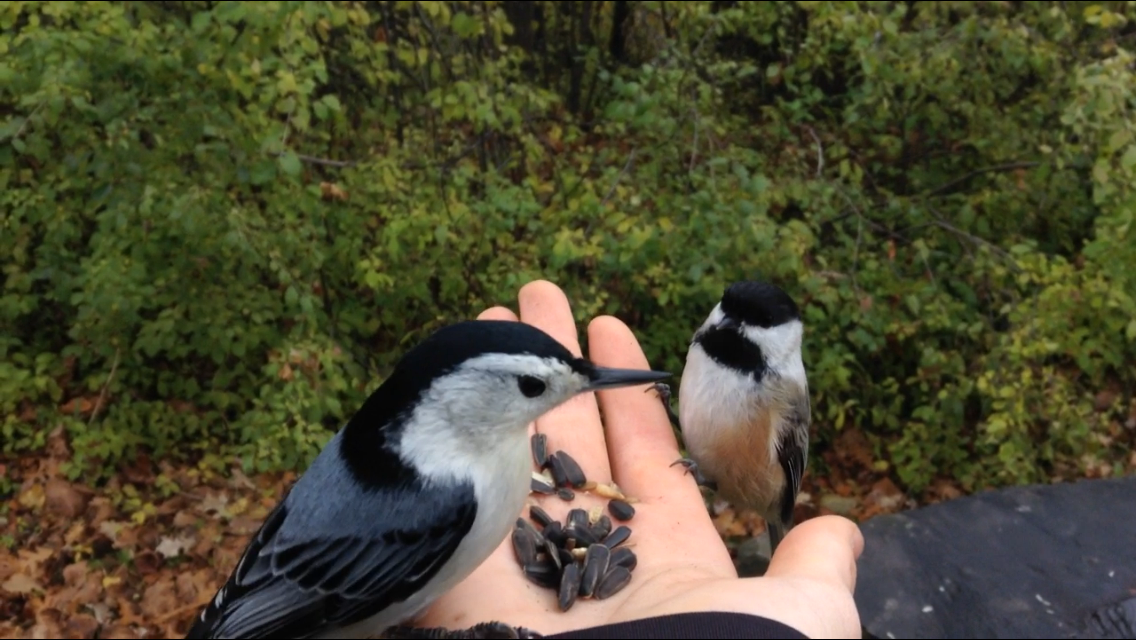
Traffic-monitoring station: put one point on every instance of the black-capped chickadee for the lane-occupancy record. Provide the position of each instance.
(413, 494)
(744, 403)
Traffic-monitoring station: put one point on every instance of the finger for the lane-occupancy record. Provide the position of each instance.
(575, 425)
(498, 313)
(823, 548)
(641, 443)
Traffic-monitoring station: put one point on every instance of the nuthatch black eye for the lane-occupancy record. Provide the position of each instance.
(413, 494)
(744, 403)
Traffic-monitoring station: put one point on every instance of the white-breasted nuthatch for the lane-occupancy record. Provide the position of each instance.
(413, 494)
(744, 403)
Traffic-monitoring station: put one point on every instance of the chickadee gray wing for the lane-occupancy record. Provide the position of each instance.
(792, 453)
(297, 579)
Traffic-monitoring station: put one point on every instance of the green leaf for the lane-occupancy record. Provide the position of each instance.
(465, 25)
(1128, 160)
(289, 163)
(200, 21)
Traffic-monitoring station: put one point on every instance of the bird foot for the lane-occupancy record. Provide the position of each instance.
(692, 469)
(664, 391)
(483, 631)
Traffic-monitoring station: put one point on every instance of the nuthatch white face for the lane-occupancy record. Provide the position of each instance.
(413, 494)
(744, 403)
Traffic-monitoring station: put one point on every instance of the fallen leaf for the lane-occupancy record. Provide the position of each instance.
(81, 625)
(48, 624)
(244, 525)
(112, 529)
(102, 613)
(173, 546)
(32, 498)
(63, 499)
(1104, 399)
(118, 630)
(184, 519)
(57, 446)
(332, 191)
(159, 598)
(84, 406)
(147, 562)
(239, 480)
(215, 504)
(886, 495)
(141, 471)
(20, 584)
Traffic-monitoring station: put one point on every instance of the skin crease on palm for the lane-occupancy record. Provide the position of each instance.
(683, 564)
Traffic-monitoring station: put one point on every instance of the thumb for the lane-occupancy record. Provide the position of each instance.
(824, 548)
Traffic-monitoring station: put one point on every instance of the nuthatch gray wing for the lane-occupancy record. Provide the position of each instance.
(744, 403)
(413, 494)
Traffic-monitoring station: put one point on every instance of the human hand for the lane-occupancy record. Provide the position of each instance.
(683, 566)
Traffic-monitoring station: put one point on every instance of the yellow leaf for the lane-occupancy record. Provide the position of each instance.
(287, 82)
(110, 581)
(32, 498)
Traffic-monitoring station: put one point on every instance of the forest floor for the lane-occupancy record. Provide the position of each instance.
(138, 557)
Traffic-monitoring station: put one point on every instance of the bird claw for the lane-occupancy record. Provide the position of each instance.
(664, 391)
(692, 469)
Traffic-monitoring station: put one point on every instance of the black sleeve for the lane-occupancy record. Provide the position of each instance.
(690, 625)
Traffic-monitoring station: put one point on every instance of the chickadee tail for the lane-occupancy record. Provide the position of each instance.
(776, 535)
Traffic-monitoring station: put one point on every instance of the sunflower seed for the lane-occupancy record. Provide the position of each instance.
(540, 487)
(572, 471)
(620, 510)
(602, 527)
(617, 537)
(566, 556)
(543, 574)
(559, 473)
(583, 535)
(540, 516)
(595, 567)
(623, 557)
(594, 514)
(524, 545)
(540, 449)
(553, 553)
(612, 583)
(577, 518)
(566, 494)
(538, 539)
(554, 533)
(579, 553)
(569, 586)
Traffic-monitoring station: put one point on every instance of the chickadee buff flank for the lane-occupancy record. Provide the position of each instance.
(413, 494)
(744, 403)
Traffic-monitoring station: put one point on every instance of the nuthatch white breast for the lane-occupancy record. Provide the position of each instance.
(413, 494)
(744, 403)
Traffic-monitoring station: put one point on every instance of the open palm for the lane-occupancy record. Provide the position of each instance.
(683, 566)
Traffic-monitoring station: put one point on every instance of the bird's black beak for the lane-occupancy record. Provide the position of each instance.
(604, 378)
(728, 324)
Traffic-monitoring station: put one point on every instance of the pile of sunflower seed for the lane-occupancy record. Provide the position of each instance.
(581, 557)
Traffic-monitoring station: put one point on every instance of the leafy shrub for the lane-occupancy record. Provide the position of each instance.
(224, 221)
